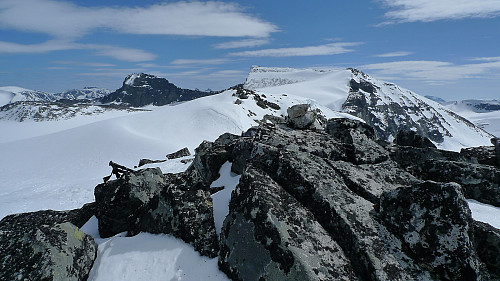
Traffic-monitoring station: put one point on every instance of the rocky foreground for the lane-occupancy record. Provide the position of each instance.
(318, 200)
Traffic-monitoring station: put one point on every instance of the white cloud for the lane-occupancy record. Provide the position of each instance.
(119, 53)
(432, 72)
(124, 54)
(433, 10)
(327, 49)
(241, 44)
(67, 20)
(394, 54)
(198, 61)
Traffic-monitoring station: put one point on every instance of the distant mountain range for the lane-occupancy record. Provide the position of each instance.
(385, 106)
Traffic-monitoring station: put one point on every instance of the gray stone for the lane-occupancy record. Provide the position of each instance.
(268, 235)
(487, 243)
(412, 138)
(300, 116)
(479, 182)
(45, 245)
(118, 200)
(483, 154)
(146, 200)
(434, 222)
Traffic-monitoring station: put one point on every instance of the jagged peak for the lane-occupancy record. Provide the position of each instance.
(130, 79)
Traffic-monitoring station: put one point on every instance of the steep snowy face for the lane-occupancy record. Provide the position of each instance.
(385, 106)
(12, 94)
(87, 93)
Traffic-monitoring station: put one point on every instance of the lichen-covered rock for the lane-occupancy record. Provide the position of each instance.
(45, 245)
(483, 154)
(146, 200)
(118, 200)
(184, 213)
(407, 156)
(371, 180)
(268, 235)
(360, 140)
(434, 223)
(412, 138)
(487, 243)
(479, 182)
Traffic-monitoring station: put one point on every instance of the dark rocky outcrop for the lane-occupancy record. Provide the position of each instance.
(487, 243)
(46, 245)
(336, 178)
(144, 89)
(434, 223)
(146, 200)
(483, 154)
(179, 153)
(412, 138)
(269, 235)
(479, 182)
(145, 161)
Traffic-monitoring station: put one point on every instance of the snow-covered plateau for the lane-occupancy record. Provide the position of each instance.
(56, 164)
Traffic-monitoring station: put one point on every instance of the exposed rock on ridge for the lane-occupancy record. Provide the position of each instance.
(144, 89)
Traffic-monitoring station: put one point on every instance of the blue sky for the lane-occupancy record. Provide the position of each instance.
(446, 48)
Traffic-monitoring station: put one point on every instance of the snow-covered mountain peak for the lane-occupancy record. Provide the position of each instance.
(10, 94)
(385, 106)
(138, 80)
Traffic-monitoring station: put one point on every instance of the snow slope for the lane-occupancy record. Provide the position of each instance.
(484, 114)
(59, 169)
(10, 94)
(389, 107)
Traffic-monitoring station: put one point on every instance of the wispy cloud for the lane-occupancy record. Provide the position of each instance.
(119, 53)
(91, 64)
(67, 20)
(429, 10)
(432, 72)
(198, 61)
(246, 43)
(327, 49)
(394, 54)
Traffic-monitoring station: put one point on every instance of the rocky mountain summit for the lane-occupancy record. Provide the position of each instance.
(142, 89)
(385, 106)
(317, 200)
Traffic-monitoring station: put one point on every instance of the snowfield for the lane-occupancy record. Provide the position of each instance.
(56, 165)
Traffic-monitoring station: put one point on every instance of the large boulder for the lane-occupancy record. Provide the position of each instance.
(483, 154)
(434, 222)
(118, 200)
(146, 200)
(479, 182)
(412, 138)
(45, 245)
(186, 213)
(487, 243)
(269, 235)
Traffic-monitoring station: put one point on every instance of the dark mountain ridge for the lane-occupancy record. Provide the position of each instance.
(140, 89)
